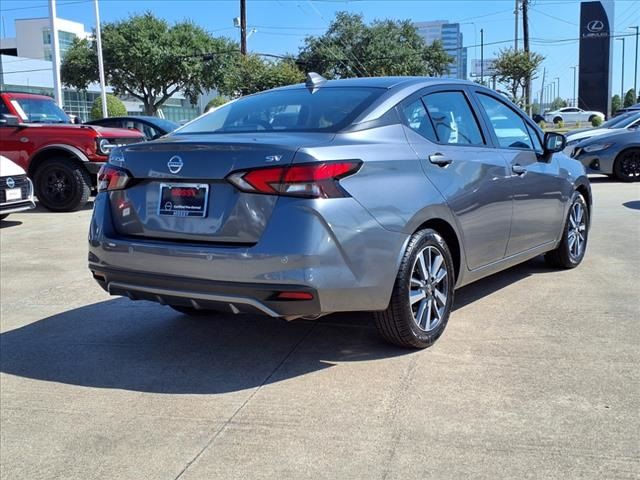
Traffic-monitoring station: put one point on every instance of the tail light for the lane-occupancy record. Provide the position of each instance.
(310, 180)
(112, 178)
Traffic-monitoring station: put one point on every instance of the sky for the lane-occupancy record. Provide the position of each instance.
(281, 25)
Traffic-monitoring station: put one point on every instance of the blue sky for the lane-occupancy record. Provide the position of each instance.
(281, 25)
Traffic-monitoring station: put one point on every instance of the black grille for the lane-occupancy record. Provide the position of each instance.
(20, 181)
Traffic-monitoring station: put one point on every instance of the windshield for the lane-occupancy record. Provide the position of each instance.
(166, 125)
(292, 110)
(621, 121)
(39, 110)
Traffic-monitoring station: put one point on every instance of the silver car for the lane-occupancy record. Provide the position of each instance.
(374, 194)
(616, 154)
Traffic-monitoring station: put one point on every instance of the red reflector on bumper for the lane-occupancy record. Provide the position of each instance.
(294, 296)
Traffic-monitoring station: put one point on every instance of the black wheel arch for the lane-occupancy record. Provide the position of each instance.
(448, 233)
(55, 151)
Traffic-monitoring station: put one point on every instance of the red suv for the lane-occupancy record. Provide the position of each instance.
(60, 157)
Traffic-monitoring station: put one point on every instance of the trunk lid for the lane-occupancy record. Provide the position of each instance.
(198, 165)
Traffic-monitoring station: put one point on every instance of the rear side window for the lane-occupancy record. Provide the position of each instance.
(418, 120)
(508, 126)
(453, 119)
(4, 110)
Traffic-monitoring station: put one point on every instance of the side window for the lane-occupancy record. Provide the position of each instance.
(417, 120)
(453, 119)
(537, 144)
(508, 126)
(4, 110)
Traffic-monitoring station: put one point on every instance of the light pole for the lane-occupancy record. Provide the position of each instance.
(558, 79)
(575, 99)
(55, 51)
(103, 91)
(482, 55)
(622, 73)
(635, 74)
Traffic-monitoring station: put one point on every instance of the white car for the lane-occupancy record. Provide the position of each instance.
(16, 190)
(572, 115)
(628, 121)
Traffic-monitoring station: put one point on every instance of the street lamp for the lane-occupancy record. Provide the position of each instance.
(575, 98)
(558, 79)
(622, 73)
(635, 75)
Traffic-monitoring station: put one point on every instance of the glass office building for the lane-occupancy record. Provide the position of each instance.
(451, 38)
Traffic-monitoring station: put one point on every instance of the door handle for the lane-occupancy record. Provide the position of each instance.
(519, 169)
(439, 159)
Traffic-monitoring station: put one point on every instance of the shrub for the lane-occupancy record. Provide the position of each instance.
(542, 124)
(596, 121)
(216, 102)
(115, 108)
(560, 124)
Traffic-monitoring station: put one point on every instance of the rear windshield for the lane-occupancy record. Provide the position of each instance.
(328, 109)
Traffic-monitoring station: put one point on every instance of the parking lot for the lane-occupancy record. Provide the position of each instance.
(536, 376)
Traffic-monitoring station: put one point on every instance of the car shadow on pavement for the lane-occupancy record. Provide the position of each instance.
(142, 346)
(9, 223)
(634, 204)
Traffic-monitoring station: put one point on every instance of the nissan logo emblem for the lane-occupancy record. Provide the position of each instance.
(175, 164)
(595, 26)
(11, 182)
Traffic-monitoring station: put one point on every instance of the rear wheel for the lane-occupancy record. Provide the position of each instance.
(557, 120)
(62, 185)
(573, 245)
(422, 295)
(627, 166)
(192, 312)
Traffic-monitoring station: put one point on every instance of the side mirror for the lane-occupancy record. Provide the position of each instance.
(554, 142)
(7, 120)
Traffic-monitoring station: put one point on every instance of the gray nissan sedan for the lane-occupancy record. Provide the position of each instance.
(374, 194)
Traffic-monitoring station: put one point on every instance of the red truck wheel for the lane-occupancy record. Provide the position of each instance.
(62, 185)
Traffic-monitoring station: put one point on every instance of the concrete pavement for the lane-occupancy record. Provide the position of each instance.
(536, 376)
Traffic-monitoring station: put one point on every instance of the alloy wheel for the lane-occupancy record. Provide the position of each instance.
(577, 230)
(58, 185)
(428, 289)
(631, 165)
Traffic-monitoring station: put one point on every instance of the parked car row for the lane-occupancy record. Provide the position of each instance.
(59, 155)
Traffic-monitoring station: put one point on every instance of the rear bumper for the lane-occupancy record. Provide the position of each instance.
(334, 250)
(231, 297)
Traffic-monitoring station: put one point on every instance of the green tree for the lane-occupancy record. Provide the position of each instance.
(630, 98)
(148, 59)
(514, 68)
(558, 103)
(216, 102)
(616, 103)
(251, 74)
(115, 108)
(350, 48)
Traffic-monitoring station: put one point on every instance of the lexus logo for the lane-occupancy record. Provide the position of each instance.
(175, 164)
(11, 182)
(595, 26)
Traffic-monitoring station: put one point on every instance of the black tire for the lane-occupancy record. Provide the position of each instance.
(193, 312)
(2, 217)
(557, 120)
(62, 185)
(626, 166)
(397, 324)
(562, 256)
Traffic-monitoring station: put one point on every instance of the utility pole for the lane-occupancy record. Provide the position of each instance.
(482, 56)
(103, 87)
(622, 73)
(55, 51)
(635, 74)
(516, 26)
(558, 79)
(575, 99)
(544, 74)
(243, 27)
(525, 38)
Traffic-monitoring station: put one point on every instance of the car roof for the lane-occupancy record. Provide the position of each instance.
(382, 82)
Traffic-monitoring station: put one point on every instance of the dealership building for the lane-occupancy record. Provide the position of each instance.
(26, 66)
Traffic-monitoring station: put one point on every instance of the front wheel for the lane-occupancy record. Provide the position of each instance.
(62, 185)
(422, 295)
(573, 245)
(626, 167)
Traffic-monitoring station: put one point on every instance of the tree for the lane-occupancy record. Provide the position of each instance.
(148, 59)
(558, 103)
(616, 103)
(350, 48)
(115, 108)
(630, 98)
(216, 102)
(251, 74)
(515, 68)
